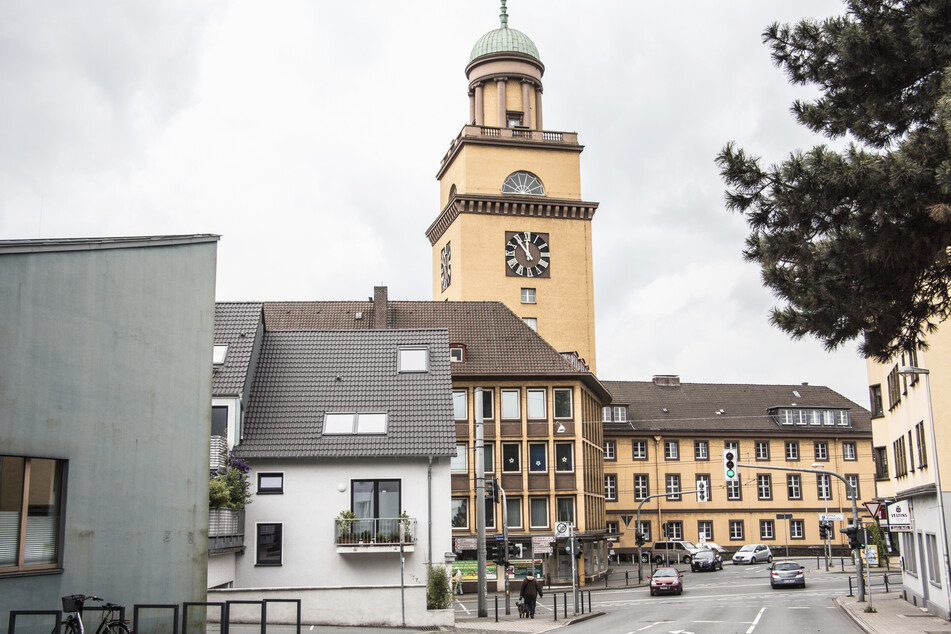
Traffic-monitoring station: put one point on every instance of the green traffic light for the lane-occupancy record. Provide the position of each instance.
(730, 473)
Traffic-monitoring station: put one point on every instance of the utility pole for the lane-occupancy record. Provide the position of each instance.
(574, 565)
(480, 504)
(637, 524)
(505, 545)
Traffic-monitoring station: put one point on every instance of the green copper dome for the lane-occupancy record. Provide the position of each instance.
(504, 40)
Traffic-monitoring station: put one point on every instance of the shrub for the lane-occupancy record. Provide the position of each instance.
(438, 588)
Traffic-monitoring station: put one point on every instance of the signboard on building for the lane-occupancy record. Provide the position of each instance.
(899, 517)
(871, 555)
(541, 544)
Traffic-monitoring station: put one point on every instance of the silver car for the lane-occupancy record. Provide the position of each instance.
(752, 553)
(787, 573)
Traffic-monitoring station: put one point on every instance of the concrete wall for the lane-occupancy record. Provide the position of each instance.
(106, 361)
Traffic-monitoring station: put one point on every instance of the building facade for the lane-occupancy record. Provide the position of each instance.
(664, 436)
(909, 432)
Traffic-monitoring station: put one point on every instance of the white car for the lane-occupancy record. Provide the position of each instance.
(752, 553)
(713, 546)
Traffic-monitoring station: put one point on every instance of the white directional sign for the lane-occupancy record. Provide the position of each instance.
(831, 517)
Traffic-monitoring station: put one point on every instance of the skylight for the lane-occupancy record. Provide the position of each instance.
(218, 354)
(355, 423)
(413, 360)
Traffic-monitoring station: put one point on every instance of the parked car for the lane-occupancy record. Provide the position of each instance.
(714, 547)
(752, 553)
(667, 581)
(673, 551)
(706, 560)
(787, 573)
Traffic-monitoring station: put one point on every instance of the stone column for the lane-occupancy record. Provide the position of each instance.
(479, 105)
(526, 104)
(471, 107)
(538, 108)
(500, 87)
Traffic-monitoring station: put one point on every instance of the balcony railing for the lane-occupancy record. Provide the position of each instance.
(375, 534)
(225, 530)
(219, 453)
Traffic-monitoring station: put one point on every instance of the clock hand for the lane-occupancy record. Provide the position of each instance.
(524, 245)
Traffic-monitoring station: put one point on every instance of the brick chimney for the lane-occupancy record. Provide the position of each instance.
(667, 380)
(381, 308)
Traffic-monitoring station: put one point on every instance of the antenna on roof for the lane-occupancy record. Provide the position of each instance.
(504, 16)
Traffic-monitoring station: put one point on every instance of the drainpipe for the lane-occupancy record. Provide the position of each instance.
(429, 509)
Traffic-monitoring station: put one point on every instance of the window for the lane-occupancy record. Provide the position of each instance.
(880, 455)
(513, 512)
(797, 529)
(767, 529)
(510, 406)
(610, 450)
(762, 450)
(792, 451)
(270, 483)
(853, 480)
(823, 486)
(620, 414)
(641, 486)
(908, 561)
(535, 402)
(920, 442)
(705, 530)
(218, 354)
(413, 359)
(673, 486)
(531, 322)
(564, 456)
(269, 544)
(701, 450)
(460, 513)
(934, 564)
(528, 295)
(671, 450)
(514, 119)
(563, 404)
(612, 528)
(566, 509)
(736, 530)
(488, 457)
(901, 464)
(538, 457)
(705, 478)
(524, 183)
(459, 463)
(511, 457)
(875, 400)
(488, 412)
(375, 499)
(674, 530)
(732, 444)
(794, 486)
(610, 487)
(822, 450)
(539, 512)
(219, 421)
(639, 449)
(460, 405)
(457, 353)
(764, 486)
(489, 513)
(894, 388)
(734, 490)
(31, 507)
(645, 528)
(352, 423)
(605, 414)
(848, 451)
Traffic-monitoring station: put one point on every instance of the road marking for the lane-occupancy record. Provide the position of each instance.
(647, 627)
(463, 606)
(756, 620)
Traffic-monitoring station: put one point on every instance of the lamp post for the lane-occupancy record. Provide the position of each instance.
(909, 371)
(827, 546)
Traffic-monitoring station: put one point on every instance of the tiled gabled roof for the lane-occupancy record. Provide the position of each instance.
(692, 407)
(301, 375)
(236, 324)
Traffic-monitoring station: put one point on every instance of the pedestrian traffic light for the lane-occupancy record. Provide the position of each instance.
(729, 466)
(853, 534)
(702, 495)
(823, 531)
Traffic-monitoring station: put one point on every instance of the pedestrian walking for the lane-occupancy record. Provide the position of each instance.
(457, 581)
(530, 592)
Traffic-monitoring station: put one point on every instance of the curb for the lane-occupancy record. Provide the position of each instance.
(853, 617)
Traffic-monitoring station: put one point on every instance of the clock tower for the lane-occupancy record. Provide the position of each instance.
(512, 225)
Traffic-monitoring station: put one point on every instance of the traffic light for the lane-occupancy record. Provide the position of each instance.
(514, 552)
(573, 547)
(495, 553)
(823, 531)
(640, 539)
(729, 466)
(853, 534)
(492, 491)
(702, 495)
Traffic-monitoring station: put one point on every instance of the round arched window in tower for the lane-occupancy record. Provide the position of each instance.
(524, 183)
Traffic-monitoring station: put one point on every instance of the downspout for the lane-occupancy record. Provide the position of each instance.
(429, 509)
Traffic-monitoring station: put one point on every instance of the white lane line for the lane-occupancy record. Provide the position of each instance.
(463, 606)
(756, 620)
(647, 627)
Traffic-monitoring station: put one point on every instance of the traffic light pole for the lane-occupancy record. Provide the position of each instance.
(480, 506)
(574, 566)
(637, 526)
(851, 493)
(505, 545)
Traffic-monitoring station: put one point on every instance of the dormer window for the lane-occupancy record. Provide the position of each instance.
(457, 353)
(354, 423)
(524, 183)
(219, 352)
(413, 360)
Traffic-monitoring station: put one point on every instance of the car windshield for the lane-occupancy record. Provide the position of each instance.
(665, 572)
(747, 548)
(786, 565)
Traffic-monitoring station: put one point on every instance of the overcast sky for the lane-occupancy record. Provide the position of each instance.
(308, 134)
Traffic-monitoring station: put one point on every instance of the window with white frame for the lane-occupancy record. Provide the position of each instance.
(639, 449)
(671, 450)
(705, 530)
(612, 528)
(538, 510)
(620, 414)
(794, 486)
(641, 486)
(511, 457)
(528, 295)
(705, 479)
(824, 486)
(566, 509)
(219, 353)
(513, 512)
(734, 490)
(764, 486)
(848, 451)
(531, 322)
(762, 450)
(605, 414)
(460, 513)
(934, 564)
(562, 397)
(412, 359)
(488, 456)
(673, 486)
(271, 482)
(908, 561)
(488, 402)
(736, 530)
(610, 450)
(564, 456)
(792, 451)
(538, 457)
(354, 423)
(269, 545)
(854, 491)
(457, 354)
(797, 529)
(733, 445)
(767, 529)
(644, 528)
(610, 487)
(822, 450)
(701, 450)
(510, 405)
(535, 403)
(460, 410)
(674, 530)
(459, 463)
(489, 513)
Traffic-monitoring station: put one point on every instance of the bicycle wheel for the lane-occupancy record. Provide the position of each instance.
(68, 626)
(113, 627)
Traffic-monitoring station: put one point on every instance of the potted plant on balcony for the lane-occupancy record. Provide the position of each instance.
(405, 532)
(345, 527)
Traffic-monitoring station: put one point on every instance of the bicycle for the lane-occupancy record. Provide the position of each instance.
(73, 623)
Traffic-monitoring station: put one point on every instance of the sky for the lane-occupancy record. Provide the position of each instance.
(308, 133)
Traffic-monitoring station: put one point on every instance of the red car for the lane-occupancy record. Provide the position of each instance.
(667, 581)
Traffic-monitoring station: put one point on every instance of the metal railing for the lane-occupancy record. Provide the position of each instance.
(375, 531)
(225, 529)
(218, 459)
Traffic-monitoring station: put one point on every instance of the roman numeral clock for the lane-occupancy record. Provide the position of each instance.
(527, 254)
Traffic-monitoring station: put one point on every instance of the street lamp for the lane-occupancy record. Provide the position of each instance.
(827, 549)
(911, 371)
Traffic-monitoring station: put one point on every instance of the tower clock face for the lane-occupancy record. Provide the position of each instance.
(445, 266)
(527, 254)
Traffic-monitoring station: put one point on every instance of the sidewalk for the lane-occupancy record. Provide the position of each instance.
(543, 622)
(893, 615)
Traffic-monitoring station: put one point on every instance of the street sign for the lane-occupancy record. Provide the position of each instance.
(831, 517)
(899, 517)
(627, 520)
(784, 516)
(871, 555)
(562, 529)
(466, 543)
(542, 544)
(874, 509)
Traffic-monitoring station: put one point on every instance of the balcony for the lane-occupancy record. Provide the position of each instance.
(491, 134)
(225, 530)
(377, 535)
(219, 454)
